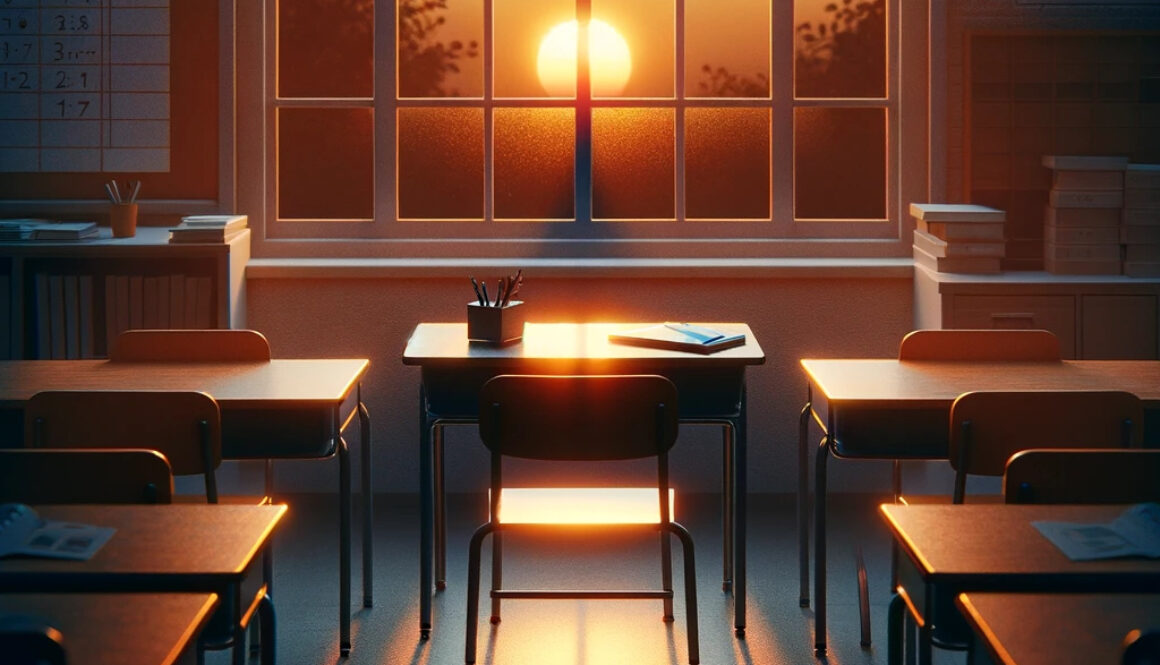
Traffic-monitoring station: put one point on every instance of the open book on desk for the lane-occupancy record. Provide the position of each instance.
(1136, 532)
(22, 531)
(679, 337)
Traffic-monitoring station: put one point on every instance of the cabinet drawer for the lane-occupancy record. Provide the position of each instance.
(1119, 327)
(1054, 313)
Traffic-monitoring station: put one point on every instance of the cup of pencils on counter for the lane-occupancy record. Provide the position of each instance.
(498, 320)
(123, 211)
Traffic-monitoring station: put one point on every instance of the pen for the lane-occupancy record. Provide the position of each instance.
(478, 295)
(500, 296)
(116, 192)
(133, 193)
(486, 300)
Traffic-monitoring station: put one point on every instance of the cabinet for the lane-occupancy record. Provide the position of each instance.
(1100, 317)
(68, 299)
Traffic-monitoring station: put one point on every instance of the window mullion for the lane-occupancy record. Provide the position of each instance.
(488, 114)
(583, 115)
(679, 120)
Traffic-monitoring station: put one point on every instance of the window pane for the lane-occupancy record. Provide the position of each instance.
(727, 48)
(326, 163)
(632, 164)
(326, 48)
(440, 164)
(532, 56)
(840, 48)
(727, 163)
(839, 163)
(648, 28)
(535, 153)
(440, 48)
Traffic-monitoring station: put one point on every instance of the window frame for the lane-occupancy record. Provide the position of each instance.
(907, 143)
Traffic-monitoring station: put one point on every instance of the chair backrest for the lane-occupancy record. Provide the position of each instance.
(1013, 345)
(211, 345)
(1082, 476)
(578, 418)
(988, 427)
(84, 476)
(185, 426)
(30, 640)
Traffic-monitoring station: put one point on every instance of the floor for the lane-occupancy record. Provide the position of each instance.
(569, 632)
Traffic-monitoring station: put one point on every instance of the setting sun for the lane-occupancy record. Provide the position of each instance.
(611, 62)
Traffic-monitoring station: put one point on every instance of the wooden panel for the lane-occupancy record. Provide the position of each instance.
(1054, 313)
(1119, 327)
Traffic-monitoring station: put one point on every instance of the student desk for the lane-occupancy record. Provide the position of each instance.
(1045, 629)
(283, 409)
(201, 548)
(892, 409)
(711, 387)
(120, 628)
(949, 549)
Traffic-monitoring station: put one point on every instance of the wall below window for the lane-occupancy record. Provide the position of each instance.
(791, 317)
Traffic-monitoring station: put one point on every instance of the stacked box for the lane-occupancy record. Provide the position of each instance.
(958, 237)
(1140, 231)
(1081, 232)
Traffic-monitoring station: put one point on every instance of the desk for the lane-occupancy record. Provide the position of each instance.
(285, 409)
(1045, 629)
(711, 387)
(949, 549)
(120, 628)
(892, 409)
(201, 548)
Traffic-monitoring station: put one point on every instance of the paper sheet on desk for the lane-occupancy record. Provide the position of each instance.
(1136, 532)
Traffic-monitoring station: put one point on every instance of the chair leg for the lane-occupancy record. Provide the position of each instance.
(266, 629)
(690, 592)
(496, 573)
(667, 574)
(863, 598)
(727, 508)
(473, 571)
(802, 508)
(820, 546)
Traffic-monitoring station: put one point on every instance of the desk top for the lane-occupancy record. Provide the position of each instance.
(119, 628)
(1045, 629)
(177, 547)
(447, 344)
(248, 384)
(984, 543)
(929, 383)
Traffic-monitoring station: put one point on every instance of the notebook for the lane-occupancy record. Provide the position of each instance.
(679, 337)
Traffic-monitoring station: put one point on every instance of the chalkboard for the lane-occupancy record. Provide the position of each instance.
(99, 89)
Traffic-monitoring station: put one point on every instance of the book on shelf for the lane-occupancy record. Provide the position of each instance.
(1085, 198)
(1085, 162)
(679, 337)
(963, 231)
(938, 247)
(1069, 217)
(978, 265)
(956, 212)
(24, 532)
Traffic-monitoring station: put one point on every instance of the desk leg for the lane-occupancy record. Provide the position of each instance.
(727, 506)
(344, 505)
(368, 500)
(238, 653)
(820, 546)
(895, 615)
(425, 518)
(803, 513)
(740, 516)
(266, 627)
(440, 509)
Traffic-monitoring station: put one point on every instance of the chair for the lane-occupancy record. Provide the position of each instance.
(84, 476)
(210, 345)
(183, 426)
(572, 419)
(30, 640)
(1082, 476)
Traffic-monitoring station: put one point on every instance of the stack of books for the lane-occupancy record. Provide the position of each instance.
(43, 229)
(1081, 234)
(208, 228)
(958, 237)
(1140, 231)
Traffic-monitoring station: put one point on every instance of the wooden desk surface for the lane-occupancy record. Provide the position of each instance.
(927, 383)
(119, 628)
(286, 381)
(968, 545)
(1046, 629)
(446, 343)
(174, 547)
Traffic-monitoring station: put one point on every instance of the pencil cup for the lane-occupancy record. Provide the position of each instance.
(123, 219)
(495, 325)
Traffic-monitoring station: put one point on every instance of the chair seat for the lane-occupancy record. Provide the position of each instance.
(581, 505)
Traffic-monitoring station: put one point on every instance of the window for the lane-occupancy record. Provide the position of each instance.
(687, 125)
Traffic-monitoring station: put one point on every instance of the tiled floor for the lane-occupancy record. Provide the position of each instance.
(567, 632)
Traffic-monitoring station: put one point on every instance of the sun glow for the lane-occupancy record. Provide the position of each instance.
(608, 55)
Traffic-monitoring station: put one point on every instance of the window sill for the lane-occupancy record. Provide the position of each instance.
(793, 268)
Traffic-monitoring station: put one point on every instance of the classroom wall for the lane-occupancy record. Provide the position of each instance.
(791, 318)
